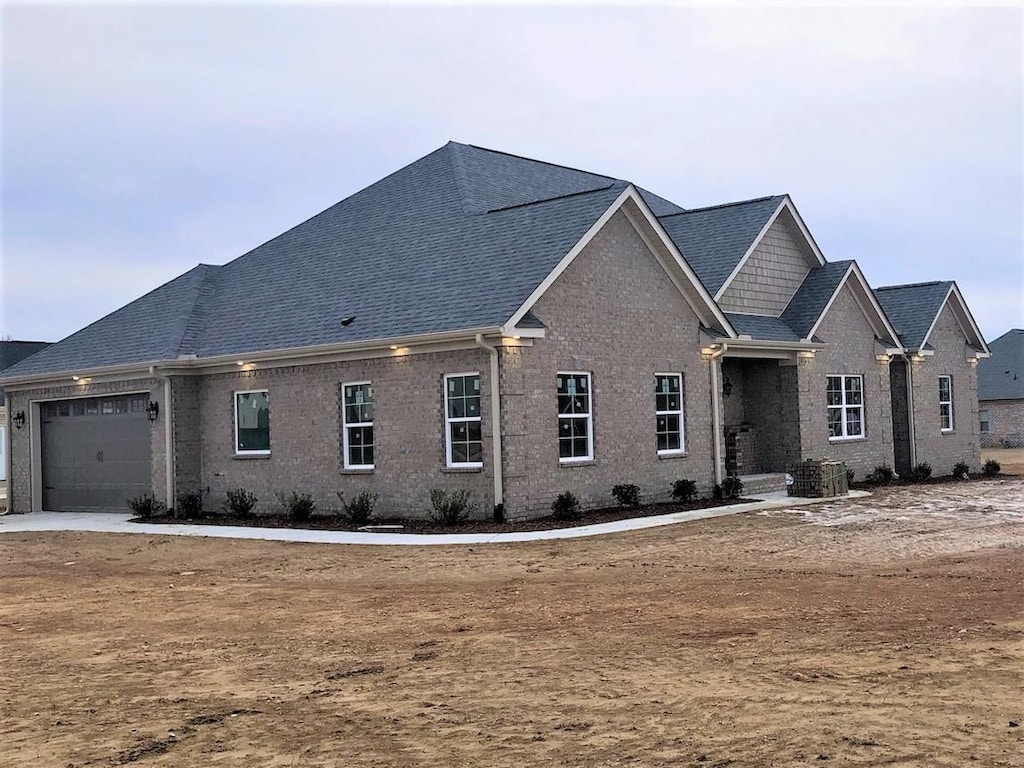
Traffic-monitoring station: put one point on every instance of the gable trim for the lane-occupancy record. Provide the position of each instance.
(709, 312)
(854, 270)
(785, 205)
(954, 290)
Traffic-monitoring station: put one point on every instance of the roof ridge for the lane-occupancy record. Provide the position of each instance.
(192, 319)
(535, 160)
(912, 285)
(557, 197)
(722, 205)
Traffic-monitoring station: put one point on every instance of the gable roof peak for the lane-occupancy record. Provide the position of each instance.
(733, 204)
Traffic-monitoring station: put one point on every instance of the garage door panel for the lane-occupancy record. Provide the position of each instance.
(96, 453)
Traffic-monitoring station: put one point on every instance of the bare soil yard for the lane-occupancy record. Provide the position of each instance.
(883, 631)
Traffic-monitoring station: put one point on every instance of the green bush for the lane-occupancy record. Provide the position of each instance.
(684, 490)
(298, 506)
(239, 502)
(450, 508)
(190, 505)
(566, 507)
(881, 475)
(627, 495)
(922, 471)
(991, 468)
(146, 506)
(732, 487)
(961, 470)
(359, 511)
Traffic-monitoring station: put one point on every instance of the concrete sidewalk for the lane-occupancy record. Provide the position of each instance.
(112, 522)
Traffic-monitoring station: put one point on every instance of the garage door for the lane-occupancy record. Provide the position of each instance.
(95, 453)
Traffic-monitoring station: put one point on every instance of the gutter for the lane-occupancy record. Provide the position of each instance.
(168, 434)
(499, 491)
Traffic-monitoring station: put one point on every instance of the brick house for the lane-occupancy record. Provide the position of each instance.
(1001, 393)
(475, 320)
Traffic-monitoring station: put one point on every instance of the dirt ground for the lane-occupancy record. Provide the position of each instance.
(882, 631)
(1010, 459)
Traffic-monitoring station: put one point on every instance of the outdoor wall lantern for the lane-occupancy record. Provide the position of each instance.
(19, 420)
(727, 387)
(152, 410)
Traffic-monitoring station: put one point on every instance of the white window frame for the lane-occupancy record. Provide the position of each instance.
(844, 407)
(682, 420)
(234, 436)
(449, 421)
(986, 422)
(952, 417)
(589, 416)
(345, 426)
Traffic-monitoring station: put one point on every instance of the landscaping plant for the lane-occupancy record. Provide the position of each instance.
(566, 507)
(991, 468)
(298, 506)
(146, 506)
(627, 495)
(881, 475)
(960, 470)
(684, 490)
(190, 505)
(922, 471)
(450, 508)
(732, 487)
(359, 511)
(239, 502)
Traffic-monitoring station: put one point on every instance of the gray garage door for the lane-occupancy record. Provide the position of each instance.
(95, 453)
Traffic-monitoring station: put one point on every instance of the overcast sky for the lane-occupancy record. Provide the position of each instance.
(138, 142)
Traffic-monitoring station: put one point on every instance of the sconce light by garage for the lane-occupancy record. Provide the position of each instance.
(152, 410)
(727, 387)
(19, 420)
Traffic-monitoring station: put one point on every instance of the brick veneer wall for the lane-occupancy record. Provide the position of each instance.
(613, 312)
(1006, 423)
(944, 449)
(20, 485)
(850, 350)
(773, 410)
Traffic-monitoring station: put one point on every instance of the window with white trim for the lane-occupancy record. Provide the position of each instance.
(946, 403)
(845, 407)
(252, 422)
(983, 422)
(668, 413)
(575, 418)
(464, 446)
(357, 417)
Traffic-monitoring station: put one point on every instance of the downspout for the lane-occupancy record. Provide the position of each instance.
(716, 416)
(499, 492)
(168, 434)
(911, 416)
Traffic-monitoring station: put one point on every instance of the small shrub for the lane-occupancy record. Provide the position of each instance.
(298, 506)
(359, 511)
(732, 487)
(922, 471)
(881, 475)
(450, 508)
(627, 495)
(684, 490)
(991, 468)
(961, 470)
(566, 507)
(190, 505)
(146, 506)
(850, 474)
(239, 502)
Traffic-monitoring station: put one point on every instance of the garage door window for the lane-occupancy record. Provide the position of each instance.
(252, 422)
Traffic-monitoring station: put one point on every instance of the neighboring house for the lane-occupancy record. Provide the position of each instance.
(481, 321)
(935, 384)
(10, 353)
(1001, 393)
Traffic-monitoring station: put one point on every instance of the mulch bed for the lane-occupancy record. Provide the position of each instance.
(334, 522)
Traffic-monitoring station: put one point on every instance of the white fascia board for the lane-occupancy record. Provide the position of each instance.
(750, 250)
(936, 318)
(875, 317)
(879, 312)
(829, 303)
(805, 231)
(629, 193)
(985, 351)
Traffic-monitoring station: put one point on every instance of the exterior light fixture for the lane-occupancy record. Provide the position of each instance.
(393, 346)
(240, 362)
(152, 410)
(727, 387)
(19, 420)
(75, 378)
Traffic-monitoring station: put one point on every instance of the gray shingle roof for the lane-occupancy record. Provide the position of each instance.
(762, 327)
(12, 352)
(1001, 377)
(714, 240)
(913, 308)
(814, 293)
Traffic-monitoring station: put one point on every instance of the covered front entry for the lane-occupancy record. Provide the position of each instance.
(95, 452)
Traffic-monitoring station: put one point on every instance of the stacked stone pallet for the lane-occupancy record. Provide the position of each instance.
(819, 479)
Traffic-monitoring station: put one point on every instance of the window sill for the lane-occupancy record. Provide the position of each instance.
(462, 470)
(847, 439)
(673, 455)
(250, 456)
(580, 463)
(947, 431)
(357, 470)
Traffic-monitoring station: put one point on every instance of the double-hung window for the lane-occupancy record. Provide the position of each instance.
(845, 407)
(464, 445)
(357, 414)
(946, 403)
(983, 423)
(252, 422)
(575, 417)
(668, 412)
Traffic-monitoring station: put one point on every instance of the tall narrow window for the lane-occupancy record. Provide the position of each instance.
(358, 417)
(575, 419)
(845, 407)
(983, 421)
(463, 436)
(668, 412)
(946, 403)
(252, 422)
